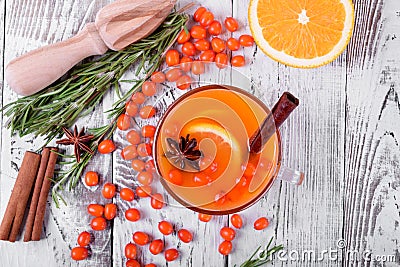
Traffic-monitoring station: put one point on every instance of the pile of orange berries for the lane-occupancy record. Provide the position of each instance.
(202, 42)
(228, 233)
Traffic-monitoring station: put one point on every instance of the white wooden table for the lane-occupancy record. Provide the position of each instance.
(345, 136)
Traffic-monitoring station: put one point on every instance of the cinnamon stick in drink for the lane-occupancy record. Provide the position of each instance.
(11, 225)
(36, 193)
(44, 193)
(279, 113)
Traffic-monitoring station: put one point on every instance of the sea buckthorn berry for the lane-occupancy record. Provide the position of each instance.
(98, 224)
(129, 152)
(206, 18)
(145, 178)
(84, 239)
(130, 251)
(138, 165)
(175, 177)
(143, 191)
(131, 109)
(173, 75)
(198, 32)
(156, 246)
(132, 214)
(127, 194)
(91, 178)
(157, 201)
(183, 82)
(220, 198)
(249, 170)
(199, 12)
(124, 122)
(201, 179)
(188, 49)
(208, 56)
(221, 60)
(198, 68)
(149, 166)
(133, 137)
(238, 61)
(205, 217)
(218, 45)
(233, 44)
(150, 265)
(231, 24)
(246, 40)
(106, 147)
(225, 247)
(141, 238)
(110, 211)
(144, 150)
(237, 221)
(185, 236)
(165, 227)
(149, 88)
(158, 76)
(96, 210)
(132, 263)
(172, 57)
(202, 45)
(183, 37)
(186, 64)
(79, 253)
(138, 98)
(148, 131)
(261, 223)
(215, 28)
(227, 233)
(109, 190)
(147, 112)
(171, 254)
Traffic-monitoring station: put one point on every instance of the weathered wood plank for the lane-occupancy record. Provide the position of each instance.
(30, 24)
(371, 207)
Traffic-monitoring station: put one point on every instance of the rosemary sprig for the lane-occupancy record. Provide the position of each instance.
(74, 172)
(263, 257)
(46, 112)
(60, 105)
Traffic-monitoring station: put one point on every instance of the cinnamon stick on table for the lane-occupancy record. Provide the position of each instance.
(44, 193)
(11, 225)
(36, 193)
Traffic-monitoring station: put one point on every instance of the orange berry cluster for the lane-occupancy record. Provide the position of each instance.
(202, 41)
(228, 233)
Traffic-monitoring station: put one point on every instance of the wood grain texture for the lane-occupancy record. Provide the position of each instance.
(371, 203)
(30, 24)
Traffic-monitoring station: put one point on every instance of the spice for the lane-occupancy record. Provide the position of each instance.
(13, 217)
(184, 152)
(79, 140)
(44, 193)
(36, 193)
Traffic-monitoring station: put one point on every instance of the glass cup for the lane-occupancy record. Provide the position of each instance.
(201, 145)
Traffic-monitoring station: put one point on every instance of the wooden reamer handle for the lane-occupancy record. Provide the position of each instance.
(39, 68)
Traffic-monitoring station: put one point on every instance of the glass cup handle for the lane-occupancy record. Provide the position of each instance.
(291, 176)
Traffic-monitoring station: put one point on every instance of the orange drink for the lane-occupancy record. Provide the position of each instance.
(202, 150)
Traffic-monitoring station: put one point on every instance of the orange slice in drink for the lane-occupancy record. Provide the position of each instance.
(302, 33)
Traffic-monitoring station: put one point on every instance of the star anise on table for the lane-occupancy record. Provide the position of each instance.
(79, 140)
(184, 152)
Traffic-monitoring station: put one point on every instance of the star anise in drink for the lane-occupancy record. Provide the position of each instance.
(79, 140)
(184, 153)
